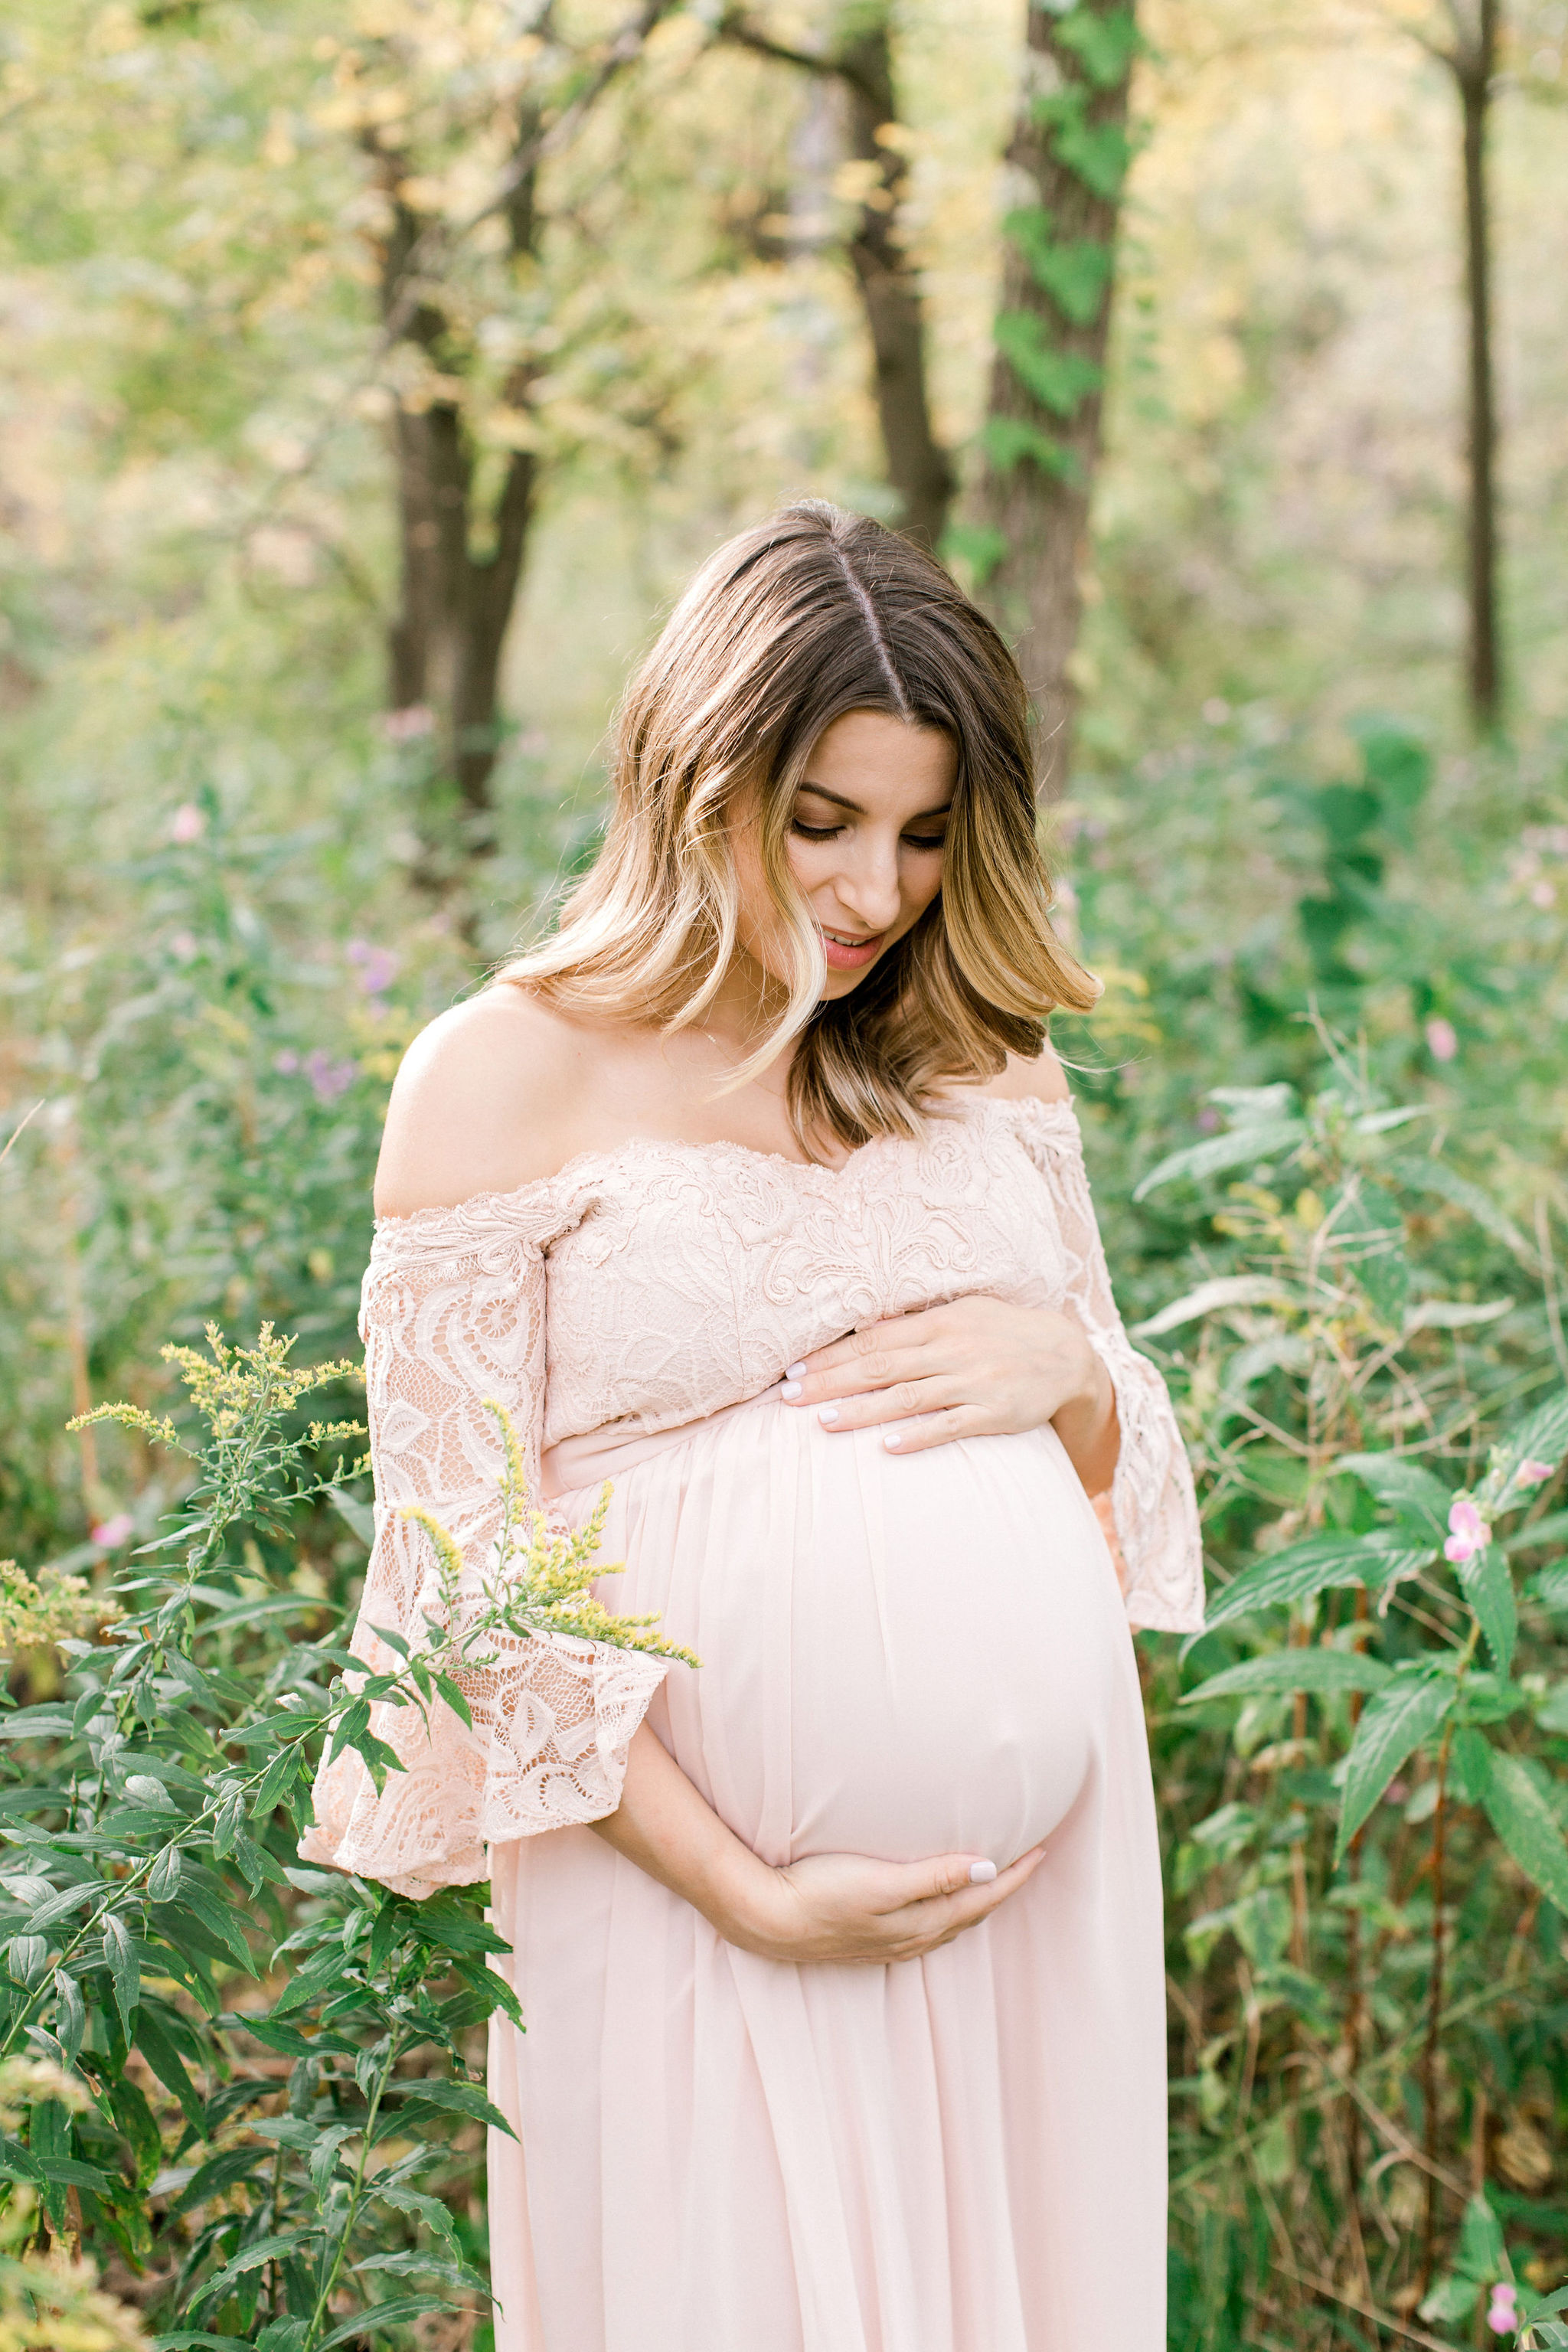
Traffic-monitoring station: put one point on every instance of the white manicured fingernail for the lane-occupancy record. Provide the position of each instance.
(828, 1413)
(981, 1874)
(790, 1390)
(894, 1439)
(795, 1371)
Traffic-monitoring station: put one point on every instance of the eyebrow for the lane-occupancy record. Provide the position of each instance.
(855, 808)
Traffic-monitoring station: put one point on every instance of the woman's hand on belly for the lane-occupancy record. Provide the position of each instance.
(828, 1906)
(847, 1907)
(976, 1367)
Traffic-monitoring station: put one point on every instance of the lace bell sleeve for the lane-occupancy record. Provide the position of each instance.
(1152, 1506)
(452, 1312)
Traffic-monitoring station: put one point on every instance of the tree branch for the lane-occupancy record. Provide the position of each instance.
(733, 25)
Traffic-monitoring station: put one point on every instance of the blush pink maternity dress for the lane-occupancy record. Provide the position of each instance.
(716, 2152)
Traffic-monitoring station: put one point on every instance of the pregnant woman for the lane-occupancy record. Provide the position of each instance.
(757, 1191)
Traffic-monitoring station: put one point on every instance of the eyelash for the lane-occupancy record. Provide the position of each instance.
(827, 832)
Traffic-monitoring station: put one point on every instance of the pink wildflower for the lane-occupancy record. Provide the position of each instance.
(287, 1062)
(328, 1078)
(1530, 1473)
(1543, 894)
(1468, 1531)
(188, 823)
(182, 946)
(109, 1534)
(378, 966)
(405, 726)
(1502, 2312)
(1442, 1039)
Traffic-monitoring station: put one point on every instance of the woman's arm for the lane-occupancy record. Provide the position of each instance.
(829, 1906)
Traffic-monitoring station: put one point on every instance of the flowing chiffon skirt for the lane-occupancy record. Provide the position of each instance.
(964, 2153)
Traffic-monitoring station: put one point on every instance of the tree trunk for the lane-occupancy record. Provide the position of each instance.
(1042, 434)
(454, 606)
(918, 468)
(1474, 67)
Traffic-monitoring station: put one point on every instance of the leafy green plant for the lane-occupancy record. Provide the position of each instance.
(1386, 1864)
(254, 2083)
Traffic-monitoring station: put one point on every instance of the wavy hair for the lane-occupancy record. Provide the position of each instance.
(787, 628)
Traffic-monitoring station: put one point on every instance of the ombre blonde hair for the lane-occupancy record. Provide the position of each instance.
(786, 628)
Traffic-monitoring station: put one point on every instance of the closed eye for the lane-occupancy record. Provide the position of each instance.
(828, 832)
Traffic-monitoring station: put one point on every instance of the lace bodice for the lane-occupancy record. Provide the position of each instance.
(639, 1289)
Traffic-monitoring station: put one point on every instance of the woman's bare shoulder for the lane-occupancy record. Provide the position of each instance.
(482, 1102)
(1040, 1080)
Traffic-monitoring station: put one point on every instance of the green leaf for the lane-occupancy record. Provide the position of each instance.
(1542, 1436)
(1258, 1140)
(1481, 2254)
(218, 1920)
(71, 2016)
(1211, 1297)
(410, 2263)
(1406, 1486)
(1436, 1176)
(455, 1699)
(1549, 1586)
(218, 2173)
(279, 1775)
(1060, 381)
(1325, 1673)
(1524, 1820)
(1314, 1565)
(1008, 440)
(1367, 1227)
(1104, 46)
(251, 2258)
(1538, 1533)
(284, 2335)
(285, 2038)
(70, 2173)
(36, 1723)
(140, 2127)
(1452, 2299)
(354, 1514)
(123, 1969)
(197, 2339)
(1485, 1582)
(60, 1907)
(1394, 1724)
(462, 2098)
(1097, 153)
(415, 2201)
(381, 2315)
(164, 1878)
(980, 547)
(324, 2157)
(1075, 275)
(152, 2040)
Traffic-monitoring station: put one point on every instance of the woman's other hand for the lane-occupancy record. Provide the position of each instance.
(976, 1367)
(830, 1907)
(847, 1907)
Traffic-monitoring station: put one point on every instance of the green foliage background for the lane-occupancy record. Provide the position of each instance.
(1292, 867)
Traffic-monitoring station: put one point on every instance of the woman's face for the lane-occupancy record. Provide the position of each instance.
(864, 843)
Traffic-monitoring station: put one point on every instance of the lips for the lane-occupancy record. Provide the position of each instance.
(850, 955)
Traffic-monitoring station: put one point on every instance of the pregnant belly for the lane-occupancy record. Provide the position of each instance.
(900, 1657)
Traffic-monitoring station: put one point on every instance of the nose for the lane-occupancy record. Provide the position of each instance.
(867, 885)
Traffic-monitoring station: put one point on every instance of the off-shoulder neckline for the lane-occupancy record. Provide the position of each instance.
(564, 1177)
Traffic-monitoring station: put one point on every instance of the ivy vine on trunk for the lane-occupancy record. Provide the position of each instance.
(1068, 154)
